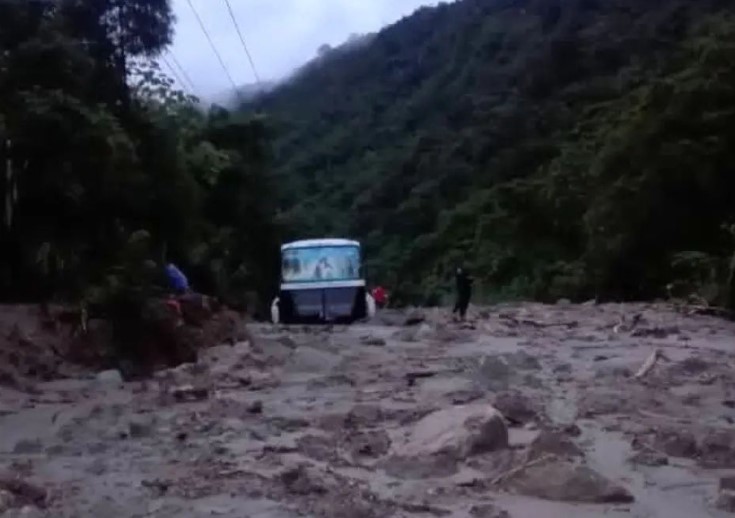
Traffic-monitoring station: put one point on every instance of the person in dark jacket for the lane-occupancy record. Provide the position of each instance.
(464, 292)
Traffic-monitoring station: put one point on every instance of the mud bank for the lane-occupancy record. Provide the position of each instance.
(390, 419)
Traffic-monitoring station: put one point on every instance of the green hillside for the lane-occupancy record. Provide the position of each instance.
(561, 148)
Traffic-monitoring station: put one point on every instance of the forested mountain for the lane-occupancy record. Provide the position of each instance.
(560, 148)
(244, 93)
(108, 172)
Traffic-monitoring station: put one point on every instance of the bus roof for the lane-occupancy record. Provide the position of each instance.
(309, 243)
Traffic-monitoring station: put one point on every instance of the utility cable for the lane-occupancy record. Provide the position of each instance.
(242, 40)
(182, 71)
(175, 74)
(211, 43)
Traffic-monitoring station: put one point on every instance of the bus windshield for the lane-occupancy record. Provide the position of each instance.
(320, 263)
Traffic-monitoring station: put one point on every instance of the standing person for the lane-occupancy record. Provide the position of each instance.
(380, 296)
(464, 292)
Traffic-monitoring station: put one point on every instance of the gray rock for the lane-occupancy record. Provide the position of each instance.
(553, 443)
(30, 511)
(726, 501)
(614, 370)
(287, 341)
(302, 481)
(56, 449)
(458, 431)
(649, 458)
(372, 340)
(97, 467)
(28, 447)
(361, 416)
(405, 335)
(417, 468)
(307, 359)
(369, 444)
(186, 393)
(676, 442)
(522, 360)
(488, 511)
(531, 381)
(256, 407)
(515, 407)
(425, 332)
(110, 378)
(563, 368)
(564, 481)
(727, 484)
(7, 500)
(492, 373)
(717, 449)
(140, 426)
(595, 403)
(109, 508)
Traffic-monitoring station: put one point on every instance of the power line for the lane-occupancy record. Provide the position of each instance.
(182, 70)
(242, 40)
(211, 43)
(173, 72)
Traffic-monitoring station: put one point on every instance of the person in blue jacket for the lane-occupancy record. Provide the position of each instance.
(176, 279)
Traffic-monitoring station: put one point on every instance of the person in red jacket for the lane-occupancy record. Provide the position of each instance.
(380, 296)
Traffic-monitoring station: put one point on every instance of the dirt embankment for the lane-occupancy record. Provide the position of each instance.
(526, 411)
(43, 343)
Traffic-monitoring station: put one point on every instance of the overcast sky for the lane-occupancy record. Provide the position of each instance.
(281, 34)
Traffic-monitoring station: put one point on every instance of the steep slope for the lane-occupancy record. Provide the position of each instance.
(559, 147)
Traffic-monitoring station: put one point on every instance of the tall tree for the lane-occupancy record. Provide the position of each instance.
(116, 31)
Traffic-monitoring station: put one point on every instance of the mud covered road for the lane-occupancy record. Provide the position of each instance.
(610, 410)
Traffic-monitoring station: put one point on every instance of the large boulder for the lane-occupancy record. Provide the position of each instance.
(553, 443)
(516, 407)
(565, 481)
(492, 373)
(726, 498)
(676, 442)
(458, 431)
(717, 449)
(110, 378)
(23, 492)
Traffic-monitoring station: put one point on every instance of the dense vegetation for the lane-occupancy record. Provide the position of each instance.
(561, 148)
(109, 172)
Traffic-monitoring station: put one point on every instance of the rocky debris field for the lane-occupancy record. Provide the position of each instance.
(525, 411)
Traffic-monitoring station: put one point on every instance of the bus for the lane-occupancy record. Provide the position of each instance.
(321, 282)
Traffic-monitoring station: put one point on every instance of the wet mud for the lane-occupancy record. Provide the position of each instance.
(525, 410)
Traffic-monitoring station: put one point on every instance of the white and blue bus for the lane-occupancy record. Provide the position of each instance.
(321, 282)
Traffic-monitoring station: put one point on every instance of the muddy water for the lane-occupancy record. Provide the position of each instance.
(306, 421)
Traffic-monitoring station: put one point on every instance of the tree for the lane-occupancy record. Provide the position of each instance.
(103, 149)
(116, 31)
